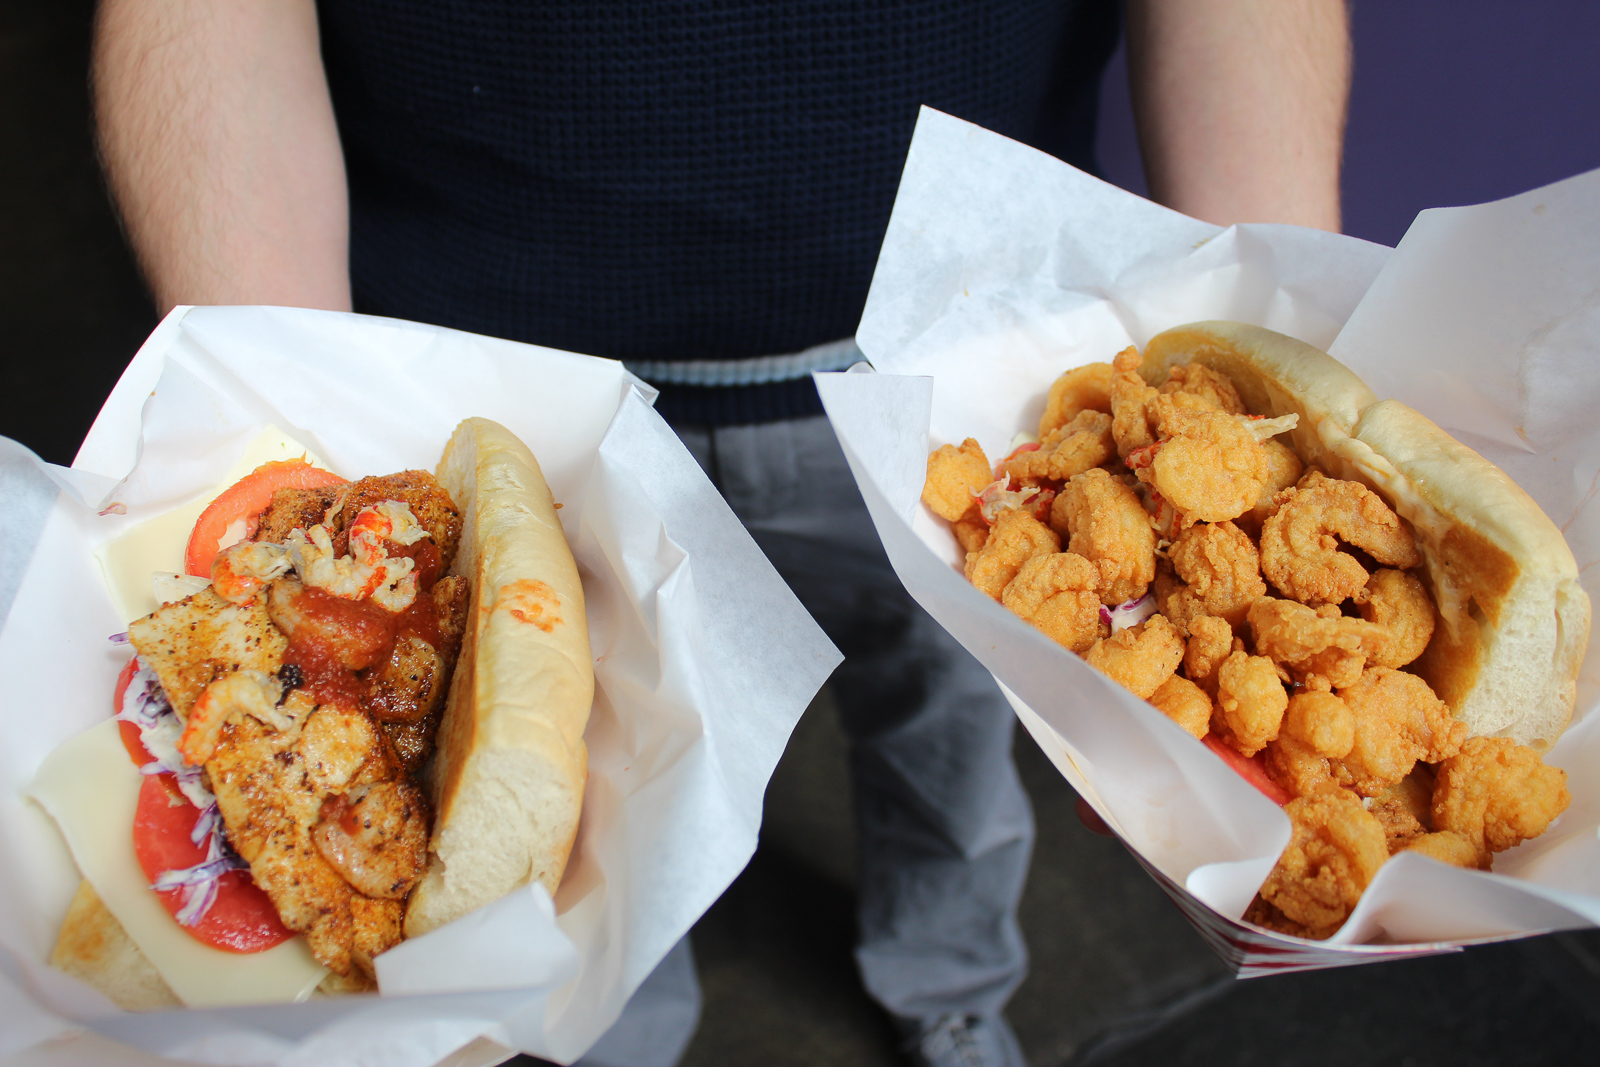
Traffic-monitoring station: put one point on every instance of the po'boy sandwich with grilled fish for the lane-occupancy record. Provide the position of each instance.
(360, 717)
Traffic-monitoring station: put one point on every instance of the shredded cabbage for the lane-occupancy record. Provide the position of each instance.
(145, 704)
(1129, 614)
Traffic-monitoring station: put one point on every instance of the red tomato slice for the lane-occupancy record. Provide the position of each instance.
(243, 502)
(242, 919)
(1251, 768)
(1028, 446)
(129, 731)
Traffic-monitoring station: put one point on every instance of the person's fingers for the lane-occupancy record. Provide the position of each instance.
(1091, 821)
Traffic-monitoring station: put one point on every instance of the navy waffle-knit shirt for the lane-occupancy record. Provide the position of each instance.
(700, 179)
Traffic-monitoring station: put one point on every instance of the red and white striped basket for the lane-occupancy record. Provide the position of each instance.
(1253, 952)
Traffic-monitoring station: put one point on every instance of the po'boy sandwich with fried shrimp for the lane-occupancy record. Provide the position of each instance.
(360, 717)
(1370, 622)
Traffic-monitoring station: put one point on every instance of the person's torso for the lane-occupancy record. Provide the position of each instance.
(669, 180)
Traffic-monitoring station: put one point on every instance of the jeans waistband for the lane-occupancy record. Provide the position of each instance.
(835, 355)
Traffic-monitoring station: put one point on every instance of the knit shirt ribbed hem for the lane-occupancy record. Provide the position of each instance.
(736, 405)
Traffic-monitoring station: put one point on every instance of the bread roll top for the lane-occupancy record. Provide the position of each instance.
(508, 774)
(1514, 620)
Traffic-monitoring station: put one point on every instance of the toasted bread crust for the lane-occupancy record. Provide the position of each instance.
(94, 947)
(509, 771)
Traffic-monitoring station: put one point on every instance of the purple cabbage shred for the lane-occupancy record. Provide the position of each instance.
(145, 705)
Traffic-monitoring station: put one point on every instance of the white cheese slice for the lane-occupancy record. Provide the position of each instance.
(171, 588)
(157, 545)
(91, 788)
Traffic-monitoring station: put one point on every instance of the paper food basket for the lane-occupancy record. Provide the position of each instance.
(1003, 267)
(704, 661)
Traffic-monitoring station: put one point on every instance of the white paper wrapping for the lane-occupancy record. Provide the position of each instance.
(703, 662)
(1003, 267)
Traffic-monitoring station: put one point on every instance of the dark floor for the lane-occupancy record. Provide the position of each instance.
(1118, 977)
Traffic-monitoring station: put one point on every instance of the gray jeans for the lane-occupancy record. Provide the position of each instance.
(945, 829)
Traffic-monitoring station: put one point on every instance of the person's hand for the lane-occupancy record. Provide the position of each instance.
(1092, 822)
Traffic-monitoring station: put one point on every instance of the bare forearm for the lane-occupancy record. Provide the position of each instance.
(221, 151)
(1241, 106)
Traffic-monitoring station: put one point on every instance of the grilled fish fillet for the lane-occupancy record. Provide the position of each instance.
(192, 641)
(270, 787)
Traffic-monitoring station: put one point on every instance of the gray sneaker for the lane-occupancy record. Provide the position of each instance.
(966, 1041)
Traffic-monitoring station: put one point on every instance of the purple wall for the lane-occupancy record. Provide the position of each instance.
(1453, 102)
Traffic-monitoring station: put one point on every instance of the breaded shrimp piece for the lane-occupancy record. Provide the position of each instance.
(1322, 722)
(1399, 721)
(1071, 449)
(1300, 541)
(1185, 704)
(1298, 769)
(1405, 809)
(1283, 470)
(1314, 643)
(1397, 602)
(1212, 386)
(1085, 388)
(1139, 658)
(955, 476)
(1446, 846)
(1220, 567)
(1498, 793)
(1210, 465)
(1210, 642)
(1250, 702)
(1016, 538)
(1133, 417)
(1106, 524)
(1265, 915)
(1336, 850)
(1174, 599)
(972, 533)
(1057, 593)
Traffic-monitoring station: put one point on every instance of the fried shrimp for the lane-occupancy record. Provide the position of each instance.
(1185, 704)
(1070, 449)
(1175, 599)
(1210, 642)
(1220, 567)
(1210, 465)
(1283, 470)
(1446, 846)
(1497, 793)
(1250, 701)
(1399, 721)
(1321, 722)
(1139, 658)
(1199, 380)
(1336, 849)
(955, 476)
(1405, 809)
(972, 533)
(1016, 538)
(1085, 388)
(1106, 524)
(1397, 602)
(1300, 541)
(1132, 404)
(1314, 643)
(1058, 593)
(1298, 769)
